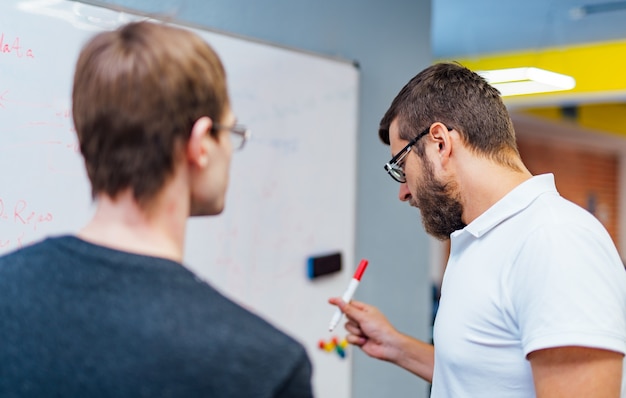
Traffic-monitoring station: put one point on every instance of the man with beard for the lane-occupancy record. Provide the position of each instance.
(533, 299)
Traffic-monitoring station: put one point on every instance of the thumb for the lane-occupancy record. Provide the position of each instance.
(337, 301)
(351, 309)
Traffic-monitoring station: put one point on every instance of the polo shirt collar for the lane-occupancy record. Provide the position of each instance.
(514, 202)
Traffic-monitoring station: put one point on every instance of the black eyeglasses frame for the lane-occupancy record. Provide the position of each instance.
(237, 129)
(393, 167)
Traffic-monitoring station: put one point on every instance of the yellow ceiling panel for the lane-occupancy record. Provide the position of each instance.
(609, 117)
(599, 69)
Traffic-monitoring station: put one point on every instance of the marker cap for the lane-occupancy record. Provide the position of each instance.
(360, 269)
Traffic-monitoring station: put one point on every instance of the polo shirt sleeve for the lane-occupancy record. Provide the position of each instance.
(568, 288)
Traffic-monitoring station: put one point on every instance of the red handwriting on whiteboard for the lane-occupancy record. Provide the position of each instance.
(14, 48)
(2, 98)
(18, 243)
(65, 113)
(22, 215)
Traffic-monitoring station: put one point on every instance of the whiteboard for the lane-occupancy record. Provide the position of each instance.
(292, 192)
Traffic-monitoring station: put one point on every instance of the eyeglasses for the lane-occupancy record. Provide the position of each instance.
(393, 166)
(239, 134)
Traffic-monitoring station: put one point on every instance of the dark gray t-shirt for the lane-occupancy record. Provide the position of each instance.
(81, 320)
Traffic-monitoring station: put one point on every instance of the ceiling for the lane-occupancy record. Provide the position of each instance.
(585, 39)
(471, 27)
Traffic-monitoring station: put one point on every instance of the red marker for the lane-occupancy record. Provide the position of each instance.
(347, 296)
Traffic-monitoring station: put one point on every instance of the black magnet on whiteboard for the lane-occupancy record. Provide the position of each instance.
(323, 265)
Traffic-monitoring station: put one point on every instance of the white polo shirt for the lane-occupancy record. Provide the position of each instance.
(534, 271)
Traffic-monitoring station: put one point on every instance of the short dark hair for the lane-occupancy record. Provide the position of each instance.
(137, 92)
(459, 98)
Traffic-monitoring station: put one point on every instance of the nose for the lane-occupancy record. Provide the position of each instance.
(404, 194)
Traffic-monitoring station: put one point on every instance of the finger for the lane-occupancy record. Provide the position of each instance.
(359, 305)
(353, 323)
(356, 340)
(337, 301)
(354, 329)
(354, 310)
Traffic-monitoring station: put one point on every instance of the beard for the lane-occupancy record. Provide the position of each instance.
(439, 205)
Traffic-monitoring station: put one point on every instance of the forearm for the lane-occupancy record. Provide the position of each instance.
(415, 356)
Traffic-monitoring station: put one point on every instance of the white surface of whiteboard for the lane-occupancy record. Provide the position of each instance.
(292, 190)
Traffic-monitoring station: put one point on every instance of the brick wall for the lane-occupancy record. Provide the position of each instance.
(588, 178)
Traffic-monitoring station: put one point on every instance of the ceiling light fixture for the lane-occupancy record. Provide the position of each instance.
(583, 11)
(528, 80)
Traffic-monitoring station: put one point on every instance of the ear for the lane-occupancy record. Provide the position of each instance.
(198, 147)
(440, 134)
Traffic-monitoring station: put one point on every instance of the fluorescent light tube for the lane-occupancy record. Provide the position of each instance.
(529, 80)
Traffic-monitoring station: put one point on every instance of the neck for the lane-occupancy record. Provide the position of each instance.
(484, 182)
(159, 230)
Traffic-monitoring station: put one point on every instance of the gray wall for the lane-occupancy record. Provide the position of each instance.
(390, 39)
